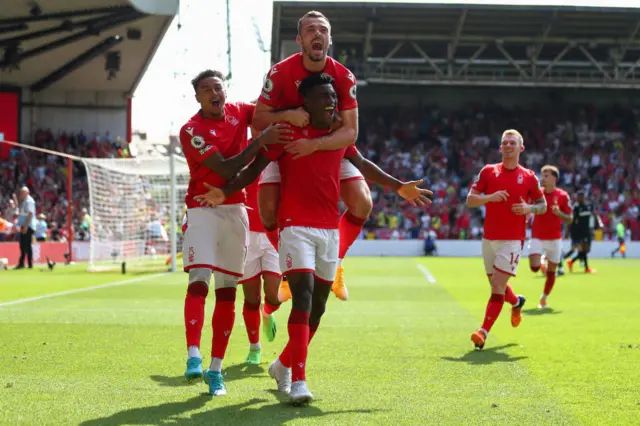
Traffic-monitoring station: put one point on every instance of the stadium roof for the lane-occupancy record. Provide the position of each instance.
(63, 44)
(480, 44)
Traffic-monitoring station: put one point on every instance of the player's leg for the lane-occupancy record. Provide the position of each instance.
(297, 260)
(251, 289)
(232, 227)
(29, 247)
(251, 316)
(535, 254)
(356, 195)
(199, 260)
(553, 249)
(271, 285)
(586, 248)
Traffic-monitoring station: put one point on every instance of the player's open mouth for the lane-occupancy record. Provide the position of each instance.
(317, 46)
(216, 103)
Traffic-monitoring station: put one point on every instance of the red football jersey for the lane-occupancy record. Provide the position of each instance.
(500, 222)
(280, 89)
(201, 137)
(310, 185)
(255, 223)
(548, 226)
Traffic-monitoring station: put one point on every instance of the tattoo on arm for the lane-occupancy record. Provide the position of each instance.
(539, 206)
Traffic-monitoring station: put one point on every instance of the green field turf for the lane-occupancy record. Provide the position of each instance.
(398, 352)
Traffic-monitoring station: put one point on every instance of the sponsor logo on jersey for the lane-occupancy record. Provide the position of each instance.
(520, 179)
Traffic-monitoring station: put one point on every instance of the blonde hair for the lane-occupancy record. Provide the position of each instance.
(513, 132)
(553, 169)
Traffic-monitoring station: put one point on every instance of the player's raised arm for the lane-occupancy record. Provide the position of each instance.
(266, 115)
(229, 167)
(407, 190)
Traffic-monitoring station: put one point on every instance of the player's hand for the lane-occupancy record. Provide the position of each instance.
(498, 197)
(276, 133)
(302, 147)
(213, 197)
(556, 210)
(521, 208)
(414, 195)
(298, 117)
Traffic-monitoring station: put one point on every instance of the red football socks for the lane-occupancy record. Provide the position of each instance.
(269, 308)
(251, 315)
(224, 315)
(299, 341)
(551, 280)
(494, 307)
(274, 237)
(349, 228)
(509, 296)
(194, 317)
(285, 356)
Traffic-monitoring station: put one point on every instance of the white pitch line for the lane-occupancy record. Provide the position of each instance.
(425, 272)
(78, 290)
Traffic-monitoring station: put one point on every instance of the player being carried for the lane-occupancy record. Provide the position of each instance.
(214, 142)
(503, 188)
(546, 233)
(308, 216)
(280, 101)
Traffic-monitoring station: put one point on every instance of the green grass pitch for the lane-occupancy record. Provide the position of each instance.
(398, 352)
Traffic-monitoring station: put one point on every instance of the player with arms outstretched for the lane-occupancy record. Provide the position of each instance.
(280, 101)
(214, 142)
(308, 216)
(503, 188)
(546, 232)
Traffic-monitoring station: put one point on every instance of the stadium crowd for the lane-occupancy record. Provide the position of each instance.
(46, 177)
(596, 150)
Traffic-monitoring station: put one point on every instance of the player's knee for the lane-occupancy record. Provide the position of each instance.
(251, 293)
(199, 279)
(271, 295)
(301, 296)
(222, 280)
(534, 268)
(318, 308)
(357, 197)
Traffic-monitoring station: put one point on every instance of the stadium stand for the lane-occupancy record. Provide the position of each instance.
(68, 71)
(439, 83)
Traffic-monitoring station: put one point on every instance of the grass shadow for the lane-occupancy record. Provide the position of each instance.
(231, 373)
(243, 413)
(486, 356)
(545, 311)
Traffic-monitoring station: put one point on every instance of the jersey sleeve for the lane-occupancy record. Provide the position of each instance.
(351, 151)
(246, 111)
(273, 152)
(272, 88)
(480, 184)
(535, 193)
(565, 207)
(196, 149)
(347, 89)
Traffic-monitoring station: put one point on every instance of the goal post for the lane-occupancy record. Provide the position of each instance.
(136, 205)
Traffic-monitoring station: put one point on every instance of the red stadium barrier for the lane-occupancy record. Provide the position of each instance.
(55, 252)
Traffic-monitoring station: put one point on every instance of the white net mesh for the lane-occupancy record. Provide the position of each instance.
(130, 205)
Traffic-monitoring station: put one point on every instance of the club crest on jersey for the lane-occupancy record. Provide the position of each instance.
(234, 121)
(520, 179)
(289, 261)
(197, 142)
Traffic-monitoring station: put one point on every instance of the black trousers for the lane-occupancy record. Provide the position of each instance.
(25, 248)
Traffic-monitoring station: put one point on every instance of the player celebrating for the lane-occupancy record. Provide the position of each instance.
(583, 212)
(308, 215)
(280, 92)
(503, 187)
(261, 262)
(214, 142)
(546, 232)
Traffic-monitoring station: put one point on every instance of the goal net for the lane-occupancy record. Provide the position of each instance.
(130, 210)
